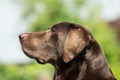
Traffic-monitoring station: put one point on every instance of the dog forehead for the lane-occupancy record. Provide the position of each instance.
(62, 27)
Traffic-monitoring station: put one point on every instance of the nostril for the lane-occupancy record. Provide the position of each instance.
(22, 36)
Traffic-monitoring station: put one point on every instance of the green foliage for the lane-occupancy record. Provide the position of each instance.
(40, 14)
(116, 71)
(25, 72)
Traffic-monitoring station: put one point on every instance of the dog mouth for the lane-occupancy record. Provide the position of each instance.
(30, 52)
(39, 60)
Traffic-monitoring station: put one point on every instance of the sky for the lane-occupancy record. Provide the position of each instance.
(111, 9)
(11, 27)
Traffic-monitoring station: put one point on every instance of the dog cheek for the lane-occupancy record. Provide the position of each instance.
(52, 55)
(54, 39)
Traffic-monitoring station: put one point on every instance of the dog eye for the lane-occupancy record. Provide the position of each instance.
(53, 30)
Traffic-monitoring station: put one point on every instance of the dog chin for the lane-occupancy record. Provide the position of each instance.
(27, 53)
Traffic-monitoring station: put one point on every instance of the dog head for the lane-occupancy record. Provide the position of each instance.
(64, 40)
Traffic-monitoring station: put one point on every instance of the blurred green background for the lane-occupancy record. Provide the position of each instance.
(38, 15)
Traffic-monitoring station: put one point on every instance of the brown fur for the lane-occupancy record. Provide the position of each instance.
(71, 49)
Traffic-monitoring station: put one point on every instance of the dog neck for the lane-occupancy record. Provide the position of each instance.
(67, 71)
(81, 67)
(70, 70)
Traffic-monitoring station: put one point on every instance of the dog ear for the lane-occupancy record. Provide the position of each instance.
(77, 38)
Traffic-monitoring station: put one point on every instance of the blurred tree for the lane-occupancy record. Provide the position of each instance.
(42, 13)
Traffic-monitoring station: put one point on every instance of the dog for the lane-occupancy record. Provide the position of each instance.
(71, 49)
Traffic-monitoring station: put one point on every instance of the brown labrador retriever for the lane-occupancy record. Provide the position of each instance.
(71, 49)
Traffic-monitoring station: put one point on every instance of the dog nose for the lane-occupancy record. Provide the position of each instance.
(23, 36)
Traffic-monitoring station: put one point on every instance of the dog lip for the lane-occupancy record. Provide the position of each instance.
(25, 52)
(42, 61)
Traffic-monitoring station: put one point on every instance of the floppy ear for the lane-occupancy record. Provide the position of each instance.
(76, 40)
